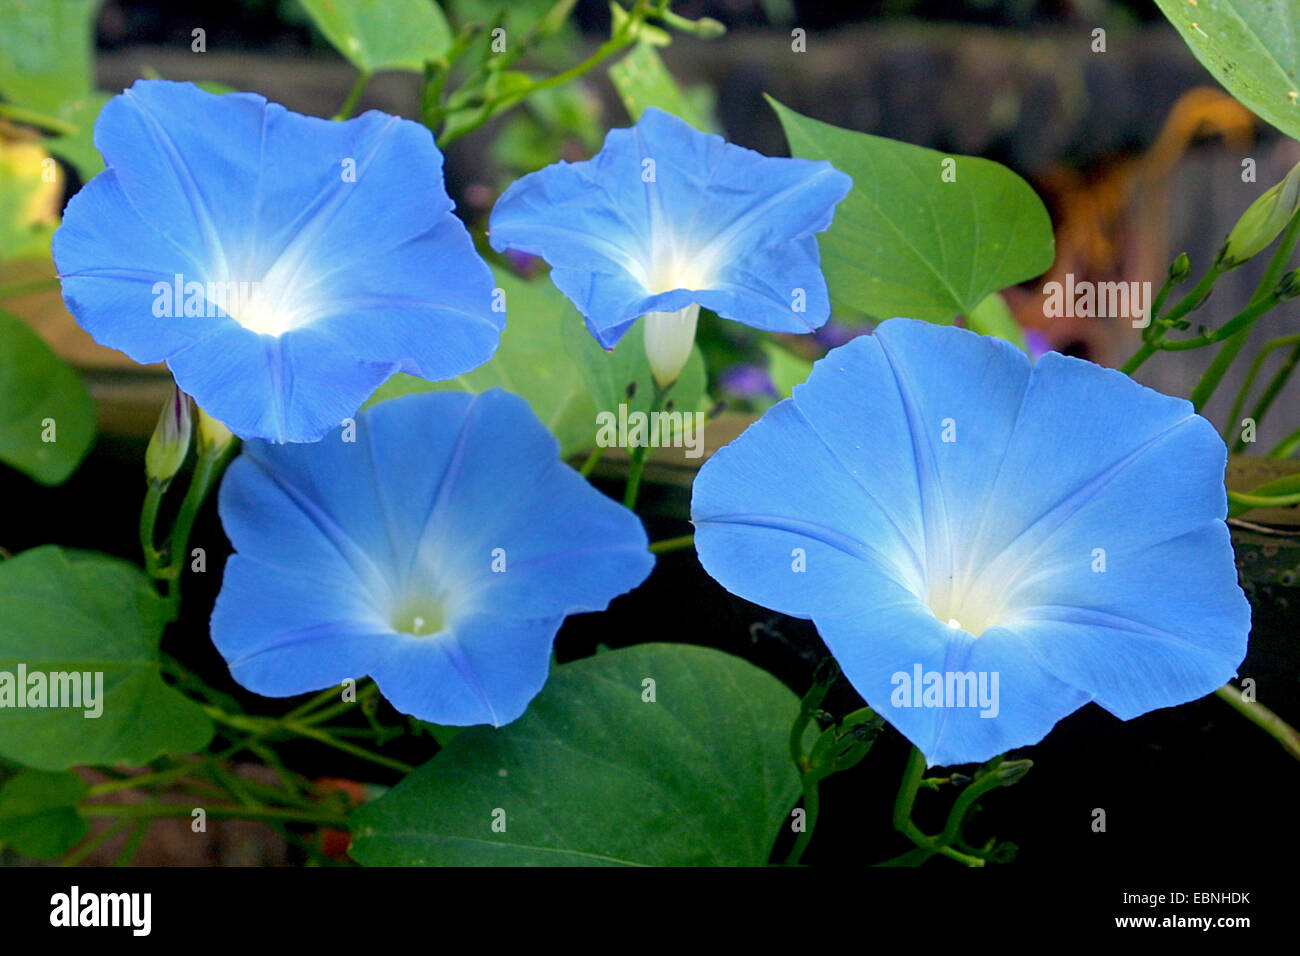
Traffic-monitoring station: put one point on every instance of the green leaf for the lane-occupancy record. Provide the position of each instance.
(548, 358)
(905, 242)
(642, 80)
(785, 368)
(38, 813)
(383, 34)
(45, 51)
(530, 362)
(46, 65)
(993, 317)
(1252, 47)
(592, 774)
(47, 418)
(75, 613)
(79, 148)
(29, 201)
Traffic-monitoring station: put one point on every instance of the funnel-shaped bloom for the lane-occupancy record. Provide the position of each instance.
(665, 219)
(438, 553)
(984, 546)
(283, 266)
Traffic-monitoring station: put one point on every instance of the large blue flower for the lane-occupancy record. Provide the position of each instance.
(283, 266)
(960, 525)
(438, 553)
(665, 219)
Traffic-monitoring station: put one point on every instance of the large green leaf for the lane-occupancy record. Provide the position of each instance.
(29, 201)
(47, 418)
(785, 369)
(38, 813)
(45, 51)
(922, 234)
(592, 774)
(548, 358)
(530, 362)
(79, 148)
(1252, 47)
(68, 612)
(641, 79)
(993, 317)
(383, 34)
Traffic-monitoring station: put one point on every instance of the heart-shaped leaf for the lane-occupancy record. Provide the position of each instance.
(47, 418)
(383, 34)
(1252, 47)
(658, 754)
(922, 234)
(80, 679)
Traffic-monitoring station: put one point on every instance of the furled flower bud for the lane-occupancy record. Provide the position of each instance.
(1260, 224)
(213, 435)
(668, 340)
(171, 438)
(1180, 268)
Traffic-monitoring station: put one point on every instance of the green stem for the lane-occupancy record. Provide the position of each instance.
(1274, 387)
(354, 96)
(1275, 493)
(491, 107)
(1241, 322)
(811, 784)
(133, 842)
(20, 114)
(329, 740)
(148, 525)
(592, 461)
(320, 700)
(94, 842)
(1153, 343)
(1243, 393)
(266, 726)
(1262, 717)
(641, 452)
(1249, 502)
(207, 472)
(1287, 446)
(680, 543)
(906, 799)
(1209, 381)
(329, 713)
(1265, 291)
(432, 110)
(145, 780)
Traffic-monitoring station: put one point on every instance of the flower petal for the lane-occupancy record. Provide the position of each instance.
(336, 241)
(1058, 530)
(440, 504)
(665, 216)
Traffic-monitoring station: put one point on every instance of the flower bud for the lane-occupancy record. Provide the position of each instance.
(1180, 268)
(1289, 286)
(213, 435)
(1263, 221)
(668, 340)
(706, 28)
(1010, 771)
(171, 438)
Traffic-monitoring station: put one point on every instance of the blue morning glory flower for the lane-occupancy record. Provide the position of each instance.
(985, 546)
(438, 552)
(665, 219)
(283, 266)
